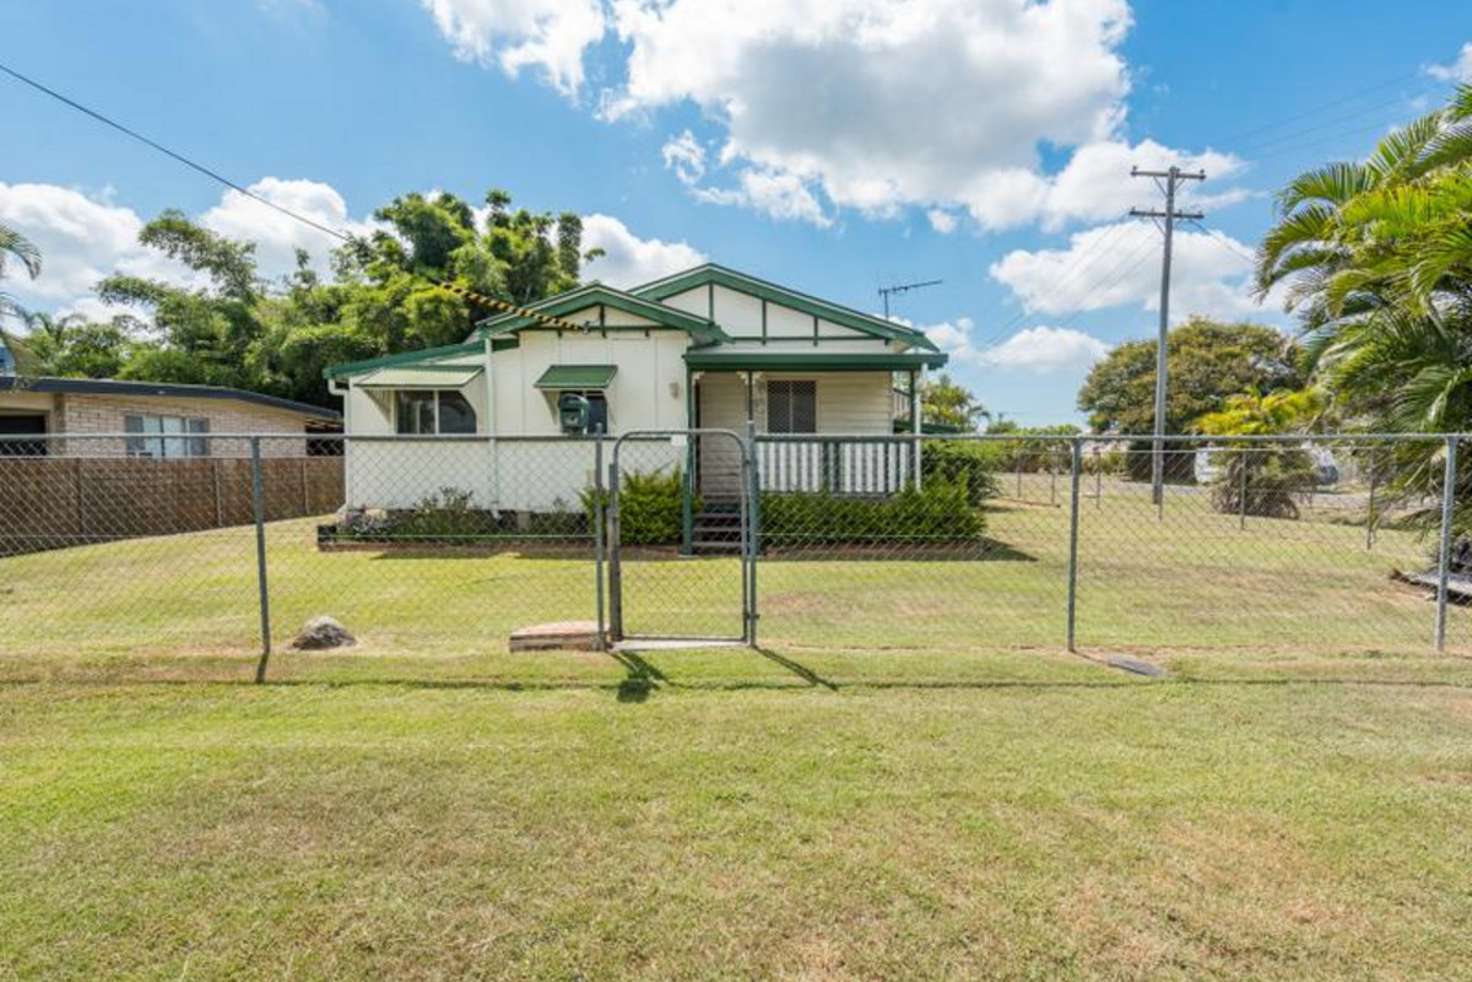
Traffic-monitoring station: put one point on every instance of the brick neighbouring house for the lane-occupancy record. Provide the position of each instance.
(169, 419)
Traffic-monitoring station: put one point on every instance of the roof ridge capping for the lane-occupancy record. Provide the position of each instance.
(839, 313)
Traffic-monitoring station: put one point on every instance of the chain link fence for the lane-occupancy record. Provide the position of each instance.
(211, 545)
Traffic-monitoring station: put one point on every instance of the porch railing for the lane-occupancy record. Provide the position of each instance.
(836, 465)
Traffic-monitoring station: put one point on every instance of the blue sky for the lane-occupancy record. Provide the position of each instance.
(831, 146)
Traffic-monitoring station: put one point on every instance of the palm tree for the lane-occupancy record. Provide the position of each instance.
(17, 246)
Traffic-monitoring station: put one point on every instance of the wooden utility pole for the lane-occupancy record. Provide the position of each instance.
(1173, 179)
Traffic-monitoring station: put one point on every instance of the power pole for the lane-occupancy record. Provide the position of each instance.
(885, 291)
(1173, 179)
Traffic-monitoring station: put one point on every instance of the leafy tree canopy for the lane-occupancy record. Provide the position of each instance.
(1206, 361)
(948, 404)
(233, 327)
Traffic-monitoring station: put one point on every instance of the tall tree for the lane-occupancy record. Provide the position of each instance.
(947, 404)
(1208, 361)
(16, 247)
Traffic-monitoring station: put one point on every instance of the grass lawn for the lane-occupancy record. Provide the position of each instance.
(729, 813)
(911, 778)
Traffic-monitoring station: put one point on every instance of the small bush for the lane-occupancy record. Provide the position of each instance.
(939, 513)
(1273, 476)
(970, 464)
(449, 513)
(650, 512)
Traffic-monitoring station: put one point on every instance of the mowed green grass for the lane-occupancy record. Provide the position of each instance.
(730, 813)
(909, 779)
(1189, 580)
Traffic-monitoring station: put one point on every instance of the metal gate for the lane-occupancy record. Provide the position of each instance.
(695, 583)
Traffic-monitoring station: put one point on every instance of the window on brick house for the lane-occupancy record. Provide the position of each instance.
(166, 437)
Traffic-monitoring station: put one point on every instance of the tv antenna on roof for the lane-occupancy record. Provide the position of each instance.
(885, 291)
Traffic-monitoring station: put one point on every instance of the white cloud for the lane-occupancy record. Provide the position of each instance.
(550, 34)
(82, 238)
(778, 194)
(1458, 70)
(685, 156)
(278, 236)
(1119, 265)
(1046, 349)
(858, 98)
(866, 104)
(1039, 350)
(942, 221)
(630, 260)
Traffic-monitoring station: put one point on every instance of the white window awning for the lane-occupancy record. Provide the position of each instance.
(420, 377)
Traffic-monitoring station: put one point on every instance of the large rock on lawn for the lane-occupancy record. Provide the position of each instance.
(320, 633)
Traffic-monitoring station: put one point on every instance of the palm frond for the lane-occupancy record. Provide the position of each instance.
(1332, 184)
(22, 248)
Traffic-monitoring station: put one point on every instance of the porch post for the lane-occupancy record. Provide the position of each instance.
(915, 425)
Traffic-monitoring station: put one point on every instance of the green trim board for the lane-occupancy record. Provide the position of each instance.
(576, 377)
(712, 275)
(718, 360)
(421, 377)
(346, 368)
(698, 328)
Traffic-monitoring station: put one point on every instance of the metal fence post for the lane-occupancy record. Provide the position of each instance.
(754, 525)
(1098, 480)
(1076, 466)
(598, 535)
(615, 583)
(1242, 491)
(1370, 508)
(1444, 559)
(258, 506)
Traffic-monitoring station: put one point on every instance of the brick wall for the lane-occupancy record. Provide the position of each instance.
(76, 413)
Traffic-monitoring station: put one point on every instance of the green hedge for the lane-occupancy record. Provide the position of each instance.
(650, 512)
(940, 513)
(968, 463)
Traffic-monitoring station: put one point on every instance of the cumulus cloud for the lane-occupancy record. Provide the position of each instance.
(832, 104)
(82, 238)
(86, 237)
(855, 98)
(630, 260)
(278, 236)
(685, 156)
(1119, 265)
(1458, 69)
(515, 34)
(1039, 350)
(941, 220)
(774, 193)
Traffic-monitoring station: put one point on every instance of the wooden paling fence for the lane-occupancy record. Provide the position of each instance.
(57, 502)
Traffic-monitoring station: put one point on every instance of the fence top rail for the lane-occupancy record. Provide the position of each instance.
(654, 435)
(1215, 442)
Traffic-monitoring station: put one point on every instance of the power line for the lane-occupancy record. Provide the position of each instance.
(478, 298)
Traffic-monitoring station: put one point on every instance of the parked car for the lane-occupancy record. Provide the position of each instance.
(1210, 462)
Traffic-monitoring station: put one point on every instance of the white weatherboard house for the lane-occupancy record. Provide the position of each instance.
(705, 348)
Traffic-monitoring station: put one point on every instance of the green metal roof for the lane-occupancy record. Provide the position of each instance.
(766, 290)
(577, 377)
(596, 294)
(420, 377)
(719, 359)
(422, 356)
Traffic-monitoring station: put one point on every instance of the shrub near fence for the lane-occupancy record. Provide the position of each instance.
(56, 502)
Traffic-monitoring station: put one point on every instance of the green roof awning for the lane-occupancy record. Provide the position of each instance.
(577, 377)
(420, 377)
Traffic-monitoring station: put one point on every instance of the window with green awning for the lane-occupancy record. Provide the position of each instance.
(577, 377)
